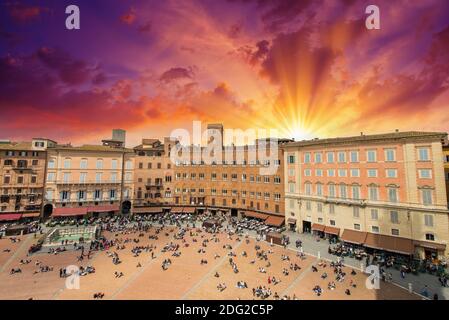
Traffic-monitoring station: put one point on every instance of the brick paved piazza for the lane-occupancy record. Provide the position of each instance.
(185, 278)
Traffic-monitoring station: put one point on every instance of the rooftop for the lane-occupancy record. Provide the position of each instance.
(394, 136)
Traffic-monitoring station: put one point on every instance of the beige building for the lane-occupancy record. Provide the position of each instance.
(89, 179)
(446, 168)
(384, 191)
(22, 176)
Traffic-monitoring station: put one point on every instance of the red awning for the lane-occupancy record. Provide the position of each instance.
(68, 212)
(318, 227)
(275, 221)
(105, 208)
(31, 214)
(147, 210)
(10, 216)
(257, 215)
(189, 210)
(176, 210)
(332, 230)
(353, 236)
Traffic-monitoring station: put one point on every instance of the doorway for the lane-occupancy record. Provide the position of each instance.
(306, 226)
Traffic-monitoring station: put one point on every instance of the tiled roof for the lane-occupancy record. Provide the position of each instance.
(369, 138)
(15, 146)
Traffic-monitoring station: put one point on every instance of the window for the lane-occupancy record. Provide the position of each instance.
(426, 197)
(98, 177)
(356, 226)
(372, 173)
(355, 173)
(112, 194)
(342, 172)
(395, 232)
(266, 179)
(373, 193)
(371, 156)
(391, 173)
(114, 164)
(49, 195)
(81, 195)
(428, 220)
(291, 172)
(308, 205)
(394, 217)
(308, 188)
(430, 236)
(343, 191)
(114, 177)
(277, 179)
(319, 172)
(51, 163)
(319, 189)
(291, 187)
(331, 172)
(292, 203)
(393, 194)
(291, 159)
(307, 157)
(356, 212)
(425, 173)
(331, 190)
(331, 208)
(390, 155)
(66, 177)
(423, 154)
(319, 207)
(307, 172)
(330, 157)
(375, 229)
(354, 156)
(99, 164)
(83, 164)
(374, 214)
(98, 194)
(318, 157)
(128, 165)
(83, 176)
(67, 163)
(64, 195)
(332, 222)
(356, 192)
(342, 157)
(51, 177)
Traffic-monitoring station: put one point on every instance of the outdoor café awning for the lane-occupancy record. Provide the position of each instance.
(430, 245)
(353, 236)
(105, 208)
(147, 210)
(291, 221)
(318, 227)
(332, 230)
(177, 209)
(275, 221)
(189, 210)
(257, 215)
(10, 216)
(389, 243)
(31, 214)
(68, 212)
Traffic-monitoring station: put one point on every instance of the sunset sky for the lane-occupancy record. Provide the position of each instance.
(306, 68)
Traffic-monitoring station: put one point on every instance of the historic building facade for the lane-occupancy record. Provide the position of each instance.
(22, 177)
(236, 184)
(153, 175)
(446, 168)
(383, 191)
(89, 179)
